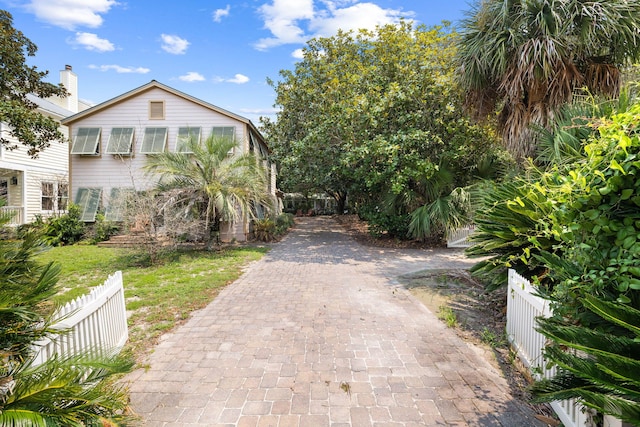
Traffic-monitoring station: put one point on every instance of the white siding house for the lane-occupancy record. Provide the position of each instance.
(111, 142)
(39, 186)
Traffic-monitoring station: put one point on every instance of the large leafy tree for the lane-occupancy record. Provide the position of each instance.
(376, 115)
(17, 80)
(206, 181)
(527, 58)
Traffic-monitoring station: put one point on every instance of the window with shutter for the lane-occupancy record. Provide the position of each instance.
(88, 199)
(224, 132)
(154, 140)
(117, 203)
(120, 141)
(184, 134)
(86, 142)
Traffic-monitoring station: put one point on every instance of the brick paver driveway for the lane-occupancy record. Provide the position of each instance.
(317, 333)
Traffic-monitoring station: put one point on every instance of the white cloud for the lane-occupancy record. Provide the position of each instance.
(218, 14)
(120, 69)
(282, 18)
(296, 21)
(174, 44)
(360, 15)
(238, 79)
(91, 41)
(298, 54)
(70, 14)
(192, 76)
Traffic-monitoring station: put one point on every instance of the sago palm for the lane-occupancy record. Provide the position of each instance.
(600, 367)
(229, 186)
(68, 391)
(526, 58)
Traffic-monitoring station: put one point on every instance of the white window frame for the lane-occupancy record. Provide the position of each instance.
(87, 141)
(120, 141)
(59, 198)
(184, 133)
(145, 149)
(62, 197)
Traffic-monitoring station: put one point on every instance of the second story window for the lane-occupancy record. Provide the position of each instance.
(120, 141)
(86, 142)
(184, 135)
(154, 141)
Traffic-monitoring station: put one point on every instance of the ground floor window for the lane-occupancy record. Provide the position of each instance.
(4, 190)
(54, 195)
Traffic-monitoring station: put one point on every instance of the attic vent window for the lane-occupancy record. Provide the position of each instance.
(86, 141)
(156, 110)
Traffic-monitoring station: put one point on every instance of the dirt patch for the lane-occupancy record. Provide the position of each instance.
(359, 231)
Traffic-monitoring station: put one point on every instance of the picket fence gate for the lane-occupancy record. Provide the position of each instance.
(460, 237)
(523, 307)
(94, 324)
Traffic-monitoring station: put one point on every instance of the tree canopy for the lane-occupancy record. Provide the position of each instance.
(375, 115)
(17, 80)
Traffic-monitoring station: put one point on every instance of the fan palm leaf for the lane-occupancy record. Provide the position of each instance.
(527, 58)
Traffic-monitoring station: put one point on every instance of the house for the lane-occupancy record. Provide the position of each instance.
(32, 187)
(111, 142)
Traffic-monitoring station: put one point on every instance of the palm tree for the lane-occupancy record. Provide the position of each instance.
(526, 58)
(206, 178)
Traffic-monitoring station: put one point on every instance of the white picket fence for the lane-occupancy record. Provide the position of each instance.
(523, 307)
(460, 237)
(94, 324)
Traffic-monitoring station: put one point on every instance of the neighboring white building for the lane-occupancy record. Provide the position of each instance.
(39, 186)
(112, 140)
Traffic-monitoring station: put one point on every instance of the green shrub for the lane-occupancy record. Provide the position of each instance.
(65, 229)
(284, 221)
(102, 230)
(392, 225)
(264, 229)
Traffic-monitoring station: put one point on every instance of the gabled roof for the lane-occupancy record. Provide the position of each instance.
(153, 84)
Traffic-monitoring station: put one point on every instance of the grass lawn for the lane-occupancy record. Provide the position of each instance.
(159, 296)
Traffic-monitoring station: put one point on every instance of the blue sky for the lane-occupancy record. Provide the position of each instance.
(219, 51)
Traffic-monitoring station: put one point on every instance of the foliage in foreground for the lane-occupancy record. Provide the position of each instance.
(602, 366)
(61, 391)
(575, 229)
(205, 183)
